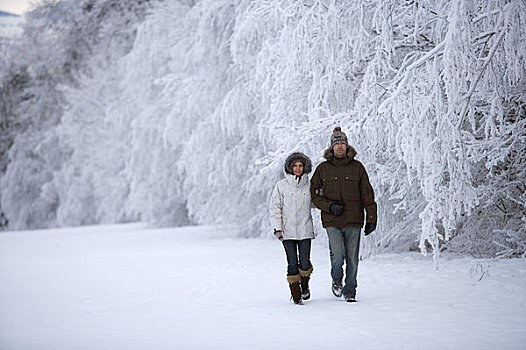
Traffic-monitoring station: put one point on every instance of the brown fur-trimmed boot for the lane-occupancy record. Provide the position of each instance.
(305, 276)
(295, 289)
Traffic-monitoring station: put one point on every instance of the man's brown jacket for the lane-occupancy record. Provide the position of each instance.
(345, 181)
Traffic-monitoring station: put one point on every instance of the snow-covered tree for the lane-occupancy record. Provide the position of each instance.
(186, 116)
(62, 41)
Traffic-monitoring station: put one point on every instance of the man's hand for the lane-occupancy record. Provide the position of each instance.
(369, 227)
(336, 209)
(278, 234)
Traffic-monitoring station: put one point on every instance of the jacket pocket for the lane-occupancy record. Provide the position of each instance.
(351, 188)
(353, 212)
(331, 188)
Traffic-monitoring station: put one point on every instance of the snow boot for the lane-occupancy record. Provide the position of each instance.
(295, 289)
(305, 276)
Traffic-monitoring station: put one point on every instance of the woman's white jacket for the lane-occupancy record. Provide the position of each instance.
(290, 208)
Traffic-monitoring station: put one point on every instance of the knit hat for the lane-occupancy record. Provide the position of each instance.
(298, 157)
(338, 136)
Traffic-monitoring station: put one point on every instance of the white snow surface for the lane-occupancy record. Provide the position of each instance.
(202, 287)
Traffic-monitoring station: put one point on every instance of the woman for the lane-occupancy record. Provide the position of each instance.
(290, 216)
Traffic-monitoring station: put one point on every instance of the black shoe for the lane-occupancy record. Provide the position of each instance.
(350, 298)
(336, 289)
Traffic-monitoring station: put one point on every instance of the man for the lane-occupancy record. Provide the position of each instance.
(340, 188)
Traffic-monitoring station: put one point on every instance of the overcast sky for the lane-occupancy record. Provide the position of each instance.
(14, 6)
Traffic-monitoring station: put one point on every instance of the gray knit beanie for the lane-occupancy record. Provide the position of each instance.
(338, 136)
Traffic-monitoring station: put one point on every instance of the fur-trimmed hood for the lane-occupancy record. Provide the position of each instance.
(329, 155)
(293, 158)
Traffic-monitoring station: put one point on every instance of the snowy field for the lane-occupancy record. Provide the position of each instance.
(132, 287)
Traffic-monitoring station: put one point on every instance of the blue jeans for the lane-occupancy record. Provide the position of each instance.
(344, 246)
(292, 247)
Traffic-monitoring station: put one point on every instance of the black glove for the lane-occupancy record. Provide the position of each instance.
(336, 208)
(369, 227)
(278, 234)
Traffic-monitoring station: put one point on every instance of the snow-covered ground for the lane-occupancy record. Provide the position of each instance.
(133, 287)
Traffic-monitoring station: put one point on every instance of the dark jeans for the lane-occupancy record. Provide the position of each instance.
(292, 247)
(344, 245)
